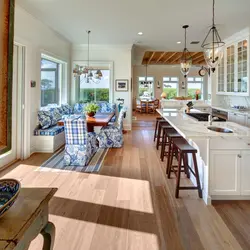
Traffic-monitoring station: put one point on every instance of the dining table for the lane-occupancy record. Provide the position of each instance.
(99, 120)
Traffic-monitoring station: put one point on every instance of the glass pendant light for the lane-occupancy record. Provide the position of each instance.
(186, 59)
(213, 46)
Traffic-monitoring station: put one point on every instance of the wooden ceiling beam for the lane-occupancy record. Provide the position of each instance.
(151, 57)
(193, 54)
(169, 57)
(161, 56)
(199, 56)
(177, 59)
(200, 61)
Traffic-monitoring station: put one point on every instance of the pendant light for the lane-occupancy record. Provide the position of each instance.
(186, 59)
(87, 70)
(146, 83)
(213, 46)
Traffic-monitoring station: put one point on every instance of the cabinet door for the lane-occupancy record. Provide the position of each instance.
(230, 69)
(241, 119)
(232, 117)
(221, 77)
(224, 172)
(242, 71)
(245, 172)
(248, 121)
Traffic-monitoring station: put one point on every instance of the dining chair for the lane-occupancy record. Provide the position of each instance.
(151, 107)
(156, 104)
(141, 106)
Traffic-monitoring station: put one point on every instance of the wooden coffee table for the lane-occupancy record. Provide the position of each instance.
(27, 218)
(99, 120)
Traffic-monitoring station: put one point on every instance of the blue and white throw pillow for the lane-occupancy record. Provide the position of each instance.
(45, 118)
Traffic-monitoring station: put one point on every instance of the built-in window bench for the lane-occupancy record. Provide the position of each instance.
(49, 140)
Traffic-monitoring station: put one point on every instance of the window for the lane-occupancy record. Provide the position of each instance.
(146, 90)
(170, 86)
(194, 84)
(49, 82)
(96, 90)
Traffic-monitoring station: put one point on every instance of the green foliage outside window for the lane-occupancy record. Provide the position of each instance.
(171, 92)
(191, 92)
(88, 95)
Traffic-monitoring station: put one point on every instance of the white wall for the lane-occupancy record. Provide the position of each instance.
(121, 58)
(37, 38)
(160, 71)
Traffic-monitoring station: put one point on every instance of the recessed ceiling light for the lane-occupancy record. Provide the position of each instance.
(140, 33)
(179, 42)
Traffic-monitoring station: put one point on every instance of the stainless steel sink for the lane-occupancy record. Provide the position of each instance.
(220, 130)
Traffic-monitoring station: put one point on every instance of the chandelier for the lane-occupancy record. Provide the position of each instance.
(87, 71)
(213, 46)
(186, 59)
(146, 83)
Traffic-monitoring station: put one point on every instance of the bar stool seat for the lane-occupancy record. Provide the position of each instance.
(156, 125)
(159, 132)
(183, 148)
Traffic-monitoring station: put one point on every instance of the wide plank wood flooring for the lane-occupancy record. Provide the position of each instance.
(128, 205)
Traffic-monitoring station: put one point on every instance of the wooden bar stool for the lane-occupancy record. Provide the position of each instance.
(184, 148)
(165, 139)
(171, 136)
(156, 125)
(159, 133)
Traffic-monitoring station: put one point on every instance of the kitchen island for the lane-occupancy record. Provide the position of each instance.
(223, 158)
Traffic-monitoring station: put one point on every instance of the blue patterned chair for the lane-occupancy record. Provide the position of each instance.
(80, 145)
(111, 136)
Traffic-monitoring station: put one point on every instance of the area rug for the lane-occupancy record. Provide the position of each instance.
(55, 163)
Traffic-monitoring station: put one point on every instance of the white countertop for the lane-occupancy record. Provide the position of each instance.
(190, 127)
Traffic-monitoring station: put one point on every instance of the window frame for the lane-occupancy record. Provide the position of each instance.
(194, 81)
(139, 84)
(176, 82)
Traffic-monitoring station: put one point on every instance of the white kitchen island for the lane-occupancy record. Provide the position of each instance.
(223, 158)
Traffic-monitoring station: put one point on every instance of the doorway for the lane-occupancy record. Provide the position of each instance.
(17, 140)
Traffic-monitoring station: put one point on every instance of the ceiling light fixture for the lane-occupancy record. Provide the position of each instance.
(140, 33)
(186, 59)
(213, 46)
(179, 42)
(146, 83)
(87, 70)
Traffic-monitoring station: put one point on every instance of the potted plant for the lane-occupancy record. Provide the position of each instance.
(90, 109)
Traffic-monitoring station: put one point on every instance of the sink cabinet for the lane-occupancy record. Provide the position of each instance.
(229, 172)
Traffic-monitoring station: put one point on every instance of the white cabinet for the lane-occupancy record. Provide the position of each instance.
(206, 110)
(233, 70)
(248, 121)
(230, 172)
(245, 172)
(237, 118)
(224, 172)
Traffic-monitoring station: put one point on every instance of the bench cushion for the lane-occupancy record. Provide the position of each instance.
(52, 131)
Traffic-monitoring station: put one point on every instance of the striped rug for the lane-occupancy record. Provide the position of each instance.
(55, 163)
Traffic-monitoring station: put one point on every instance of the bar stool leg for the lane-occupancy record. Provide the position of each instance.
(170, 159)
(163, 145)
(197, 175)
(185, 163)
(156, 127)
(158, 137)
(168, 169)
(178, 175)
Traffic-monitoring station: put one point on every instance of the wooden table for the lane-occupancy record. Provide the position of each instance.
(100, 119)
(26, 219)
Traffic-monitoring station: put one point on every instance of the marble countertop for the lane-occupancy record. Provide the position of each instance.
(190, 127)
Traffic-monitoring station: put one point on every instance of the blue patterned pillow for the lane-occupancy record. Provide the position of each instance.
(67, 109)
(79, 108)
(45, 119)
(56, 115)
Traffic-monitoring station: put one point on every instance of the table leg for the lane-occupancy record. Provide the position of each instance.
(49, 236)
(90, 128)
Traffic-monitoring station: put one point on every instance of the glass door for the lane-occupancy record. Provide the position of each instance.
(221, 76)
(230, 68)
(242, 78)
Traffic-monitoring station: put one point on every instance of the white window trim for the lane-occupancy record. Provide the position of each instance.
(139, 85)
(178, 83)
(202, 84)
(96, 64)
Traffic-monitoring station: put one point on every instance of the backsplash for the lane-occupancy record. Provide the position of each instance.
(229, 101)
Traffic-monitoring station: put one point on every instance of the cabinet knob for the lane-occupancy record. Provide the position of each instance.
(239, 156)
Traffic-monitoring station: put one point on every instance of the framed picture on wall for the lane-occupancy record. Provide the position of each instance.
(121, 85)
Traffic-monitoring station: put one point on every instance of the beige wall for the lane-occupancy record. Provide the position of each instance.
(158, 72)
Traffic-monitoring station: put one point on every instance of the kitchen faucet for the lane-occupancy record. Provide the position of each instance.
(211, 119)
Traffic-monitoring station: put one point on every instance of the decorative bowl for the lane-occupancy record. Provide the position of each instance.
(9, 190)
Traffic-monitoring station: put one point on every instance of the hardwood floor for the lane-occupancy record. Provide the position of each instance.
(130, 204)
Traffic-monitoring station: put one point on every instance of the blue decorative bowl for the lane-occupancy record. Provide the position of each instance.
(9, 190)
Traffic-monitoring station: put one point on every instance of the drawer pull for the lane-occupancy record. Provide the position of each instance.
(239, 156)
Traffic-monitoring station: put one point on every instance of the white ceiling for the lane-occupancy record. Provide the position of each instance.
(119, 21)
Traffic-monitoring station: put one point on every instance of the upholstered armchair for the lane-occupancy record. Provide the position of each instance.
(80, 145)
(111, 136)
